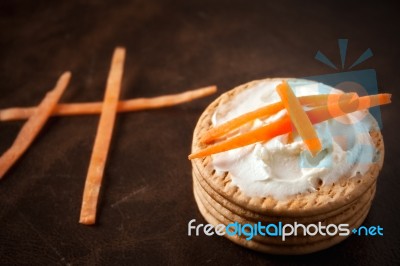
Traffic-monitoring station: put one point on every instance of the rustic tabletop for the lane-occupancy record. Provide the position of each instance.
(146, 200)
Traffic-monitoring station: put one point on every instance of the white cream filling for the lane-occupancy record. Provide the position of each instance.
(280, 169)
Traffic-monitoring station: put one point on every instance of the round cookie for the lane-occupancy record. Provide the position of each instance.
(346, 201)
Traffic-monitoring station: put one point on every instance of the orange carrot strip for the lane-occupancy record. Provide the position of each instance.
(103, 139)
(322, 113)
(219, 131)
(299, 118)
(311, 100)
(33, 126)
(123, 106)
(263, 133)
(283, 125)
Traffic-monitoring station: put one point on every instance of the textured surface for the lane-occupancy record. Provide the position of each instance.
(147, 200)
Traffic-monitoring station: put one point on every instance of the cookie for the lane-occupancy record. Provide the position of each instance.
(346, 201)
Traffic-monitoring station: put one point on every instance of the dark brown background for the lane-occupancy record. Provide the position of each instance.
(172, 46)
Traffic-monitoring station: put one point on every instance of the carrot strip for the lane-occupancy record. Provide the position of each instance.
(103, 139)
(323, 113)
(263, 133)
(123, 106)
(311, 100)
(299, 118)
(283, 125)
(32, 127)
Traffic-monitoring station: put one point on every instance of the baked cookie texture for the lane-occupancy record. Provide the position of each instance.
(220, 202)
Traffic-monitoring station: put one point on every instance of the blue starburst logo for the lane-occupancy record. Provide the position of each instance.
(363, 82)
(343, 52)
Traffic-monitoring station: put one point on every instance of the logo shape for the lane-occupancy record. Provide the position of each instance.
(363, 82)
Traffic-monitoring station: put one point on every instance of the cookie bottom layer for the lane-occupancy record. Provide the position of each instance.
(293, 245)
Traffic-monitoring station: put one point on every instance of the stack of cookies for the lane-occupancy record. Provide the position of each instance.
(346, 201)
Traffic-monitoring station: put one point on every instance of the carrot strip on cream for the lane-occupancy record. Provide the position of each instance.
(323, 113)
(17, 113)
(103, 139)
(263, 133)
(32, 127)
(266, 111)
(299, 118)
(283, 125)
